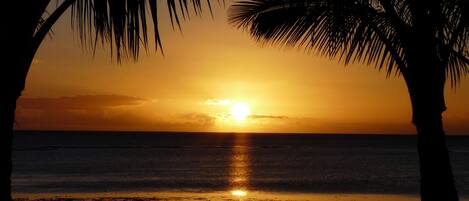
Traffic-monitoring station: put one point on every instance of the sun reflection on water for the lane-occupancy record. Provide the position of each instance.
(239, 172)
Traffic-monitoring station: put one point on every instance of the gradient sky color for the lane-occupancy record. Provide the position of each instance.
(208, 67)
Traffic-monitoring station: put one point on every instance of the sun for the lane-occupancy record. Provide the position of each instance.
(240, 111)
(239, 193)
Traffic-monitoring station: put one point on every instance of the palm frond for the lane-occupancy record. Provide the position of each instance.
(353, 31)
(367, 31)
(454, 39)
(122, 24)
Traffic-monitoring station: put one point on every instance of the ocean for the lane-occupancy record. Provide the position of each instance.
(63, 162)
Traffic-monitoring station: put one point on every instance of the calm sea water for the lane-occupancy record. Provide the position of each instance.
(87, 162)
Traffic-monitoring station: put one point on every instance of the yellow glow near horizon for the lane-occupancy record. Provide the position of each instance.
(239, 193)
(240, 111)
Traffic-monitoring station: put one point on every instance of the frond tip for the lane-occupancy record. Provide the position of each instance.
(122, 24)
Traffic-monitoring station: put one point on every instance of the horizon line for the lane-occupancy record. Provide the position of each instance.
(228, 132)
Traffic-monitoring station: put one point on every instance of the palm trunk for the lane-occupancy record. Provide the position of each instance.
(436, 176)
(437, 183)
(425, 76)
(426, 88)
(20, 42)
(15, 45)
(13, 77)
(7, 112)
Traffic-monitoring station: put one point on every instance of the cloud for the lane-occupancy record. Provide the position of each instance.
(261, 116)
(218, 102)
(199, 119)
(103, 112)
(84, 102)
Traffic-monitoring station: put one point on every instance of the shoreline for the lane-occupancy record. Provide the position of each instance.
(217, 195)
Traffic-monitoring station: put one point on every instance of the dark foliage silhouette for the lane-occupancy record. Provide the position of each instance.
(120, 25)
(425, 42)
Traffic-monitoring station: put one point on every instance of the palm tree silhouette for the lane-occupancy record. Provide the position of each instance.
(121, 24)
(425, 42)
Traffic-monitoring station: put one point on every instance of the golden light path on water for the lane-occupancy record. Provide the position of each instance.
(239, 172)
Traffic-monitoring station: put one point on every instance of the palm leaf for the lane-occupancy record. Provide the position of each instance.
(454, 39)
(122, 24)
(366, 31)
(353, 31)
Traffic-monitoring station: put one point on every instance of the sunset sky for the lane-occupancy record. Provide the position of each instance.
(215, 78)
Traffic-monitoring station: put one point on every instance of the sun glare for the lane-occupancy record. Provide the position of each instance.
(240, 111)
(238, 193)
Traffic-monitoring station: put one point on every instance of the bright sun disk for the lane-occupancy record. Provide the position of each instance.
(240, 111)
(238, 193)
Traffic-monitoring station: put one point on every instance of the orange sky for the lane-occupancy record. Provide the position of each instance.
(287, 90)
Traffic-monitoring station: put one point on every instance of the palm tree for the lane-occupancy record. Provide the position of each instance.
(425, 42)
(120, 24)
